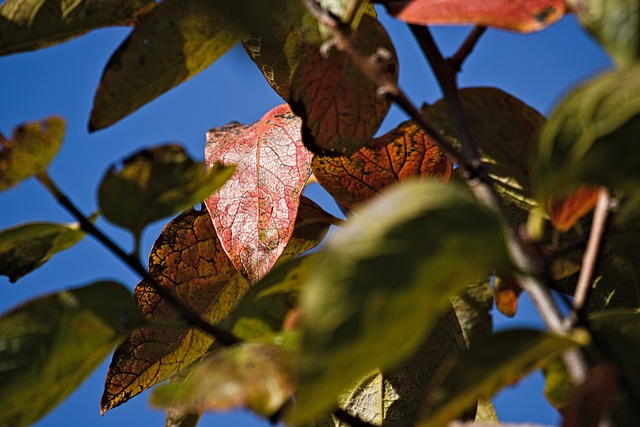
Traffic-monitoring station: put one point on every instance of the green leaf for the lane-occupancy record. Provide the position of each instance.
(473, 310)
(559, 385)
(30, 150)
(615, 23)
(35, 24)
(51, 344)
(396, 397)
(591, 137)
(505, 130)
(257, 376)
(26, 247)
(175, 41)
(153, 184)
(499, 360)
(370, 301)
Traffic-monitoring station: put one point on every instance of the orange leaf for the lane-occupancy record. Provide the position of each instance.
(403, 153)
(188, 259)
(506, 293)
(340, 107)
(254, 212)
(517, 15)
(566, 210)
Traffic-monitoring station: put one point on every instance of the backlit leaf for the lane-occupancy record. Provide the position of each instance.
(516, 15)
(175, 41)
(35, 24)
(339, 106)
(26, 247)
(402, 153)
(188, 259)
(51, 344)
(499, 360)
(507, 291)
(370, 301)
(615, 23)
(254, 213)
(591, 137)
(565, 211)
(30, 150)
(257, 376)
(505, 130)
(396, 397)
(155, 183)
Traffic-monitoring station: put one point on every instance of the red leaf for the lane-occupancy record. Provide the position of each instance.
(566, 210)
(340, 107)
(517, 15)
(255, 210)
(403, 153)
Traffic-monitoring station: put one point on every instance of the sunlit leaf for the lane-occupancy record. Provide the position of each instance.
(339, 106)
(26, 247)
(402, 153)
(505, 130)
(257, 376)
(591, 137)
(188, 259)
(35, 24)
(473, 310)
(369, 302)
(30, 150)
(175, 41)
(499, 360)
(155, 183)
(486, 412)
(254, 213)
(51, 344)
(516, 15)
(615, 23)
(396, 397)
(565, 211)
(507, 290)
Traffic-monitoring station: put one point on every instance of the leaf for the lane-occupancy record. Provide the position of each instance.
(505, 130)
(51, 344)
(254, 213)
(558, 385)
(155, 183)
(339, 106)
(30, 150)
(37, 24)
(616, 24)
(517, 15)
(26, 247)
(591, 401)
(400, 154)
(175, 41)
(396, 397)
(473, 311)
(497, 361)
(253, 375)
(188, 259)
(591, 137)
(565, 211)
(507, 290)
(369, 302)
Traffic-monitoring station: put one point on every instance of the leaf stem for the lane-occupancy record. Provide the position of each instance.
(466, 48)
(223, 336)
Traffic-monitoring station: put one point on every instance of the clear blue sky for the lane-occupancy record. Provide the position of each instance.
(537, 68)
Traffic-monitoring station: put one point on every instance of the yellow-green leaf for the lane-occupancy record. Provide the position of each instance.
(30, 150)
(26, 247)
(51, 344)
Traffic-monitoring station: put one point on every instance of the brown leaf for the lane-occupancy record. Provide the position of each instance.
(517, 15)
(188, 259)
(506, 293)
(254, 212)
(403, 153)
(340, 107)
(566, 210)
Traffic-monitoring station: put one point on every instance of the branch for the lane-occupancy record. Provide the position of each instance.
(466, 48)
(188, 315)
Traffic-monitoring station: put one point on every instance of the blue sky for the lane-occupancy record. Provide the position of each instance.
(537, 68)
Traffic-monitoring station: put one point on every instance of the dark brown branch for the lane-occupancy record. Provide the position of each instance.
(188, 315)
(456, 61)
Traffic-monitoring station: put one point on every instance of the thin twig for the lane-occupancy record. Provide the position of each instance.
(466, 48)
(590, 257)
(188, 315)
